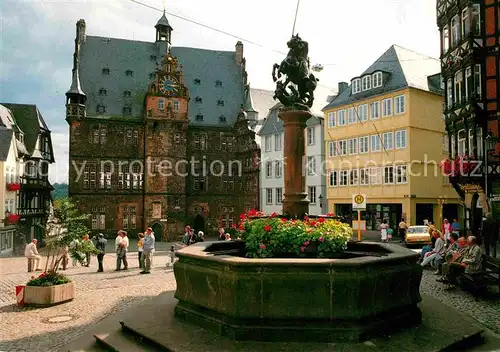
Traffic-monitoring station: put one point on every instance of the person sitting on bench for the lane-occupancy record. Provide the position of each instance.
(31, 253)
(470, 264)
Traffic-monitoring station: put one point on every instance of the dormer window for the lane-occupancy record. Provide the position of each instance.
(127, 93)
(218, 83)
(127, 110)
(220, 102)
(105, 71)
(199, 117)
(366, 83)
(152, 58)
(129, 73)
(356, 86)
(222, 118)
(198, 100)
(151, 76)
(377, 80)
(197, 81)
(103, 92)
(101, 108)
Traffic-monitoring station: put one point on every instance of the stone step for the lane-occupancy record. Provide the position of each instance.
(127, 340)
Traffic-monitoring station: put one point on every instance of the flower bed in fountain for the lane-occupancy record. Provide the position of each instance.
(297, 280)
(49, 289)
(280, 237)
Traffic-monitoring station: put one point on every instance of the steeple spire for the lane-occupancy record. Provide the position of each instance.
(75, 92)
(163, 29)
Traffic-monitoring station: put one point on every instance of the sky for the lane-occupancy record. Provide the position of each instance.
(37, 41)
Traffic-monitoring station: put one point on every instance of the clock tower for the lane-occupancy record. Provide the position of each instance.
(166, 128)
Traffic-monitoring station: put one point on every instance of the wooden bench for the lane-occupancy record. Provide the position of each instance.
(489, 276)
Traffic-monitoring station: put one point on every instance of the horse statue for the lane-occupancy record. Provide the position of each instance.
(296, 91)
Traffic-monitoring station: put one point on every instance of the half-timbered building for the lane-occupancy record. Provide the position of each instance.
(470, 69)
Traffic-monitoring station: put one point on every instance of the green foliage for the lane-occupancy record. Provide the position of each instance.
(48, 279)
(272, 236)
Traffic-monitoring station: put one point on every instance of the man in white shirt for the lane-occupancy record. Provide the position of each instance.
(31, 252)
(121, 243)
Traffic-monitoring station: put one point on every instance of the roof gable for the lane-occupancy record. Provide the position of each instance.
(6, 136)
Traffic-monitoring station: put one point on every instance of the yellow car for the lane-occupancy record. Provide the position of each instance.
(418, 235)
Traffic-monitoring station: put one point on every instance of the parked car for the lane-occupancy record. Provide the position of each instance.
(418, 235)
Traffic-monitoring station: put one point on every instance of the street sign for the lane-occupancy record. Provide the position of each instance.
(358, 202)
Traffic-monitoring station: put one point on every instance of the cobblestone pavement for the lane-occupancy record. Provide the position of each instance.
(103, 294)
(98, 295)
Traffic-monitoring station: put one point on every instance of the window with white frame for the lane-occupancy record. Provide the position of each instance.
(176, 105)
(333, 178)
(269, 169)
(363, 112)
(342, 147)
(310, 136)
(342, 120)
(354, 177)
(343, 178)
(477, 80)
(375, 110)
(449, 92)
(363, 177)
(332, 148)
(455, 31)
(356, 85)
(161, 104)
(400, 139)
(332, 119)
(386, 107)
(401, 174)
(388, 138)
(351, 115)
(363, 145)
(399, 105)
(388, 175)
(479, 139)
(353, 146)
(268, 144)
(476, 19)
(445, 38)
(468, 82)
(376, 143)
(465, 22)
(269, 196)
(377, 80)
(312, 194)
(459, 81)
(461, 142)
(311, 165)
(278, 141)
(366, 82)
(278, 168)
(279, 195)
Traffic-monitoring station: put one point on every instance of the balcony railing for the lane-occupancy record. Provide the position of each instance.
(35, 182)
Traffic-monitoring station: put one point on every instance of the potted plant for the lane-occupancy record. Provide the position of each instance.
(64, 225)
(12, 187)
(279, 236)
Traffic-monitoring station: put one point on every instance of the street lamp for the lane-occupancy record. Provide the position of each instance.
(490, 142)
(321, 202)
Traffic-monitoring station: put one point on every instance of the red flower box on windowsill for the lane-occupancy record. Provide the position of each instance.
(13, 218)
(13, 187)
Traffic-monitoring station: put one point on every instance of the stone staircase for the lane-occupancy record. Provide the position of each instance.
(128, 340)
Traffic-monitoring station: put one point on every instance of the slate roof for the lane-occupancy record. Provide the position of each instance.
(406, 68)
(6, 136)
(120, 55)
(30, 121)
(274, 125)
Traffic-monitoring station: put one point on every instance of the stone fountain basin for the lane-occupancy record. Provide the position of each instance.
(374, 291)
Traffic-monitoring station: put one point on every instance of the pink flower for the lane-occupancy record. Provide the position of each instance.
(313, 223)
(330, 214)
(321, 239)
(321, 220)
(32, 277)
(283, 220)
(306, 218)
(302, 248)
(273, 215)
(267, 228)
(262, 246)
(306, 243)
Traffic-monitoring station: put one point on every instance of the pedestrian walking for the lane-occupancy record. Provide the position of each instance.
(383, 231)
(148, 250)
(490, 234)
(121, 245)
(88, 242)
(402, 230)
(140, 244)
(101, 246)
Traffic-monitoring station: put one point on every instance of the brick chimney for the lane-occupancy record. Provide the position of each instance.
(239, 53)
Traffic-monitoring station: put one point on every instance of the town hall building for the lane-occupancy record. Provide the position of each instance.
(160, 136)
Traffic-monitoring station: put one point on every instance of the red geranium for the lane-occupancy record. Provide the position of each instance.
(267, 228)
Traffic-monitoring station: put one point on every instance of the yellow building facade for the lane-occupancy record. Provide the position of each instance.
(385, 139)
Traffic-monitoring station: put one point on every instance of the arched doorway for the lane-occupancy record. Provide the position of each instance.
(199, 223)
(476, 215)
(158, 230)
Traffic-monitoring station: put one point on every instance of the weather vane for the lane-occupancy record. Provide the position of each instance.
(164, 5)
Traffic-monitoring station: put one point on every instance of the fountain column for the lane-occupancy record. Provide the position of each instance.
(295, 202)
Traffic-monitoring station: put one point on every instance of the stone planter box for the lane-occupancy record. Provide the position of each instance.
(374, 290)
(49, 295)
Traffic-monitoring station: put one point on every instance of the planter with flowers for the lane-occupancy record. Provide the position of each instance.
(13, 187)
(462, 165)
(280, 275)
(49, 288)
(13, 218)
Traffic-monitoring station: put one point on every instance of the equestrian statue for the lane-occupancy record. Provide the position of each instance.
(296, 91)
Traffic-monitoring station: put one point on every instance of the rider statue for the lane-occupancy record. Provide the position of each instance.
(296, 92)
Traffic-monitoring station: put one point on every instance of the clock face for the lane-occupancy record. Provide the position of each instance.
(168, 85)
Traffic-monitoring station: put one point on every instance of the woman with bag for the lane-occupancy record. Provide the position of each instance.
(383, 231)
